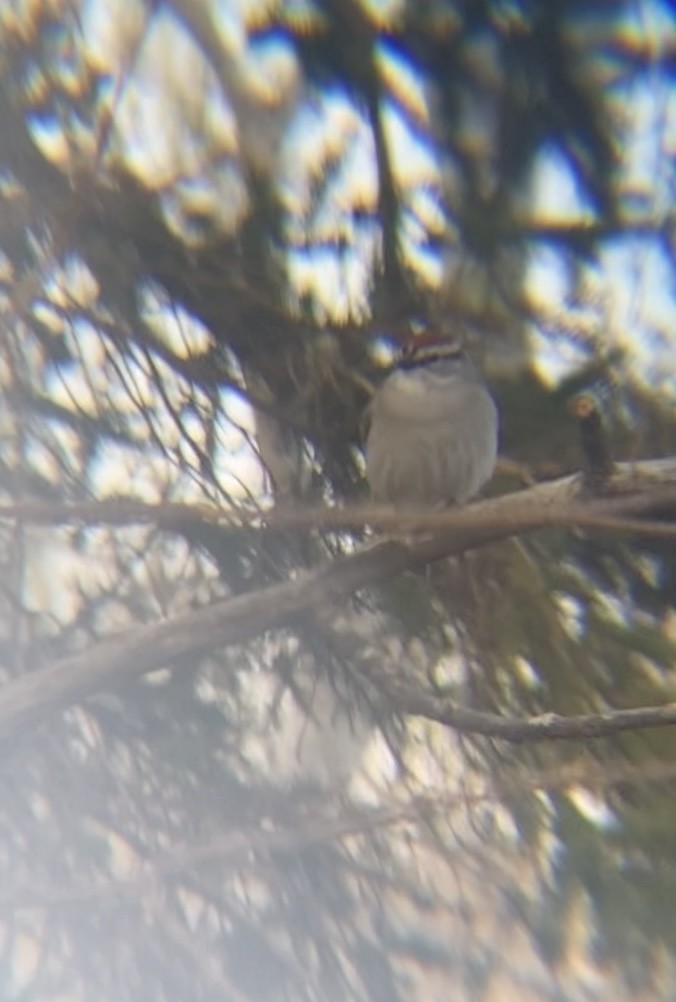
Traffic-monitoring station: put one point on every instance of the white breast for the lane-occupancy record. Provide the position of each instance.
(433, 440)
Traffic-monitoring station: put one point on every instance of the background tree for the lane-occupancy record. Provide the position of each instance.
(244, 758)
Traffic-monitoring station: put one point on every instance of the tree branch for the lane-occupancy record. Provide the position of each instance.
(635, 488)
(248, 848)
(547, 727)
(632, 489)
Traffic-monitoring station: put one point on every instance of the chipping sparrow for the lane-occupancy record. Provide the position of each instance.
(434, 426)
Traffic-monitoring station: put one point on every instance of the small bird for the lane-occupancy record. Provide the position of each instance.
(434, 428)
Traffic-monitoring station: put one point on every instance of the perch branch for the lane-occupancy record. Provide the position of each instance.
(631, 490)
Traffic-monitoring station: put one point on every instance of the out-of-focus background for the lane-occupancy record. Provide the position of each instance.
(218, 219)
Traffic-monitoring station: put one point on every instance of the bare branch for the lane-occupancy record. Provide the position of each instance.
(547, 727)
(633, 488)
(242, 849)
(640, 487)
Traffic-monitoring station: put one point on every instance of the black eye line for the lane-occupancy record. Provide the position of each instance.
(410, 358)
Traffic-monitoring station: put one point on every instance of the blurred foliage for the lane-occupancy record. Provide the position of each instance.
(217, 220)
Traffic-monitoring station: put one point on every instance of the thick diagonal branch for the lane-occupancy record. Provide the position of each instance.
(636, 489)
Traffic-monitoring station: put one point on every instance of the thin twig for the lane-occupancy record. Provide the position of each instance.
(243, 849)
